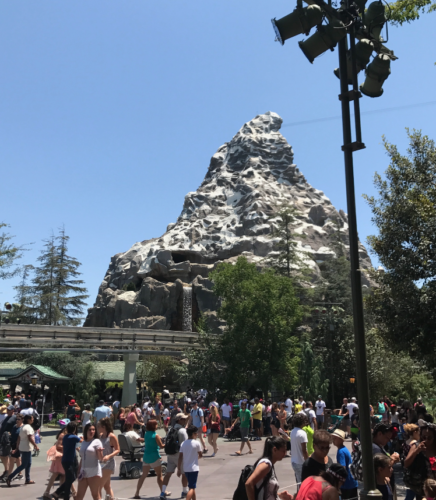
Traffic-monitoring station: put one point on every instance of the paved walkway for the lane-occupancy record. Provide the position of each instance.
(218, 476)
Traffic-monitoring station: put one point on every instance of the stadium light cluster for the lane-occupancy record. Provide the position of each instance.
(332, 25)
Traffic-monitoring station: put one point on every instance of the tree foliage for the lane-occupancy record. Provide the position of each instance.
(51, 293)
(406, 11)
(287, 260)
(80, 368)
(9, 254)
(261, 312)
(404, 303)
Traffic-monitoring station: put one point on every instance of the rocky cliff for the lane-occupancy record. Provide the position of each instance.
(230, 214)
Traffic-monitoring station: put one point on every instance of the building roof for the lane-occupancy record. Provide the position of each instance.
(9, 369)
(44, 371)
(111, 370)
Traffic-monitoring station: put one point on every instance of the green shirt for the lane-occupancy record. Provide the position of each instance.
(245, 417)
(310, 432)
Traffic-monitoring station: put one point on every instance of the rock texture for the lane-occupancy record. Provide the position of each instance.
(229, 215)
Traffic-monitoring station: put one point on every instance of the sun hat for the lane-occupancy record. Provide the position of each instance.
(338, 433)
(180, 415)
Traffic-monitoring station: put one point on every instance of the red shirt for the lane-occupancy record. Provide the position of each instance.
(215, 426)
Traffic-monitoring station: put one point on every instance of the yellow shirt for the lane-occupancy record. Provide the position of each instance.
(298, 408)
(257, 408)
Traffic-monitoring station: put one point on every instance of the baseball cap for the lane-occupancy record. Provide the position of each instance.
(10, 408)
(383, 428)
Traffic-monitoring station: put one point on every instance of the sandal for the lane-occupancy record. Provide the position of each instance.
(238, 453)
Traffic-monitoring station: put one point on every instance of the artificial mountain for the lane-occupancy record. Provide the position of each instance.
(230, 214)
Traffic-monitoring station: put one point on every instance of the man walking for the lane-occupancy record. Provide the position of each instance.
(175, 437)
(288, 405)
(311, 416)
(257, 418)
(196, 418)
(298, 446)
(320, 412)
(246, 420)
(101, 411)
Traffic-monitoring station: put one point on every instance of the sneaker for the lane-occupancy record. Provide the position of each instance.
(213, 454)
(162, 495)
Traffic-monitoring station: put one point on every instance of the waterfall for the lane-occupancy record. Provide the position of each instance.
(187, 309)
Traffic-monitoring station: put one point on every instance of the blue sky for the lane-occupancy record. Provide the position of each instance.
(110, 112)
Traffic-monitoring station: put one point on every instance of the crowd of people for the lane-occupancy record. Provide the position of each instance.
(402, 432)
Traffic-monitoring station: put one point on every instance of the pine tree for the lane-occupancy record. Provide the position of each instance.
(9, 254)
(69, 295)
(25, 298)
(56, 290)
(43, 284)
(287, 260)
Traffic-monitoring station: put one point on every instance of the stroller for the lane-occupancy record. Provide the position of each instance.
(336, 423)
(235, 433)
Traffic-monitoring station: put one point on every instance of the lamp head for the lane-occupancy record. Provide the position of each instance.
(298, 22)
(326, 37)
(374, 19)
(376, 73)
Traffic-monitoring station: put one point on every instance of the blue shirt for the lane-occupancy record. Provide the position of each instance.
(69, 442)
(196, 417)
(101, 412)
(343, 457)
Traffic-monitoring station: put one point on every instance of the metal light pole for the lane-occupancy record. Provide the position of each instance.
(343, 23)
(369, 484)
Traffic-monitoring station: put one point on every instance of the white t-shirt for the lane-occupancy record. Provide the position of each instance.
(312, 417)
(25, 444)
(134, 437)
(190, 450)
(350, 408)
(298, 437)
(226, 409)
(86, 417)
(166, 413)
(288, 405)
(320, 405)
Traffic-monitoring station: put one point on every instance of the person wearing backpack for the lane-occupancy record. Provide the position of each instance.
(261, 481)
(175, 437)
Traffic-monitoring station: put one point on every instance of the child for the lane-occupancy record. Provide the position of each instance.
(383, 472)
(190, 452)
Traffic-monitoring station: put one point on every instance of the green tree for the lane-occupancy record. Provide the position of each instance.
(69, 293)
(312, 381)
(9, 254)
(56, 293)
(287, 260)
(406, 11)
(404, 302)
(261, 312)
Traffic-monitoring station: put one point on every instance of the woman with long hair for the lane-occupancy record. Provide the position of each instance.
(132, 418)
(420, 463)
(275, 422)
(213, 422)
(263, 479)
(326, 486)
(151, 459)
(282, 415)
(111, 448)
(122, 419)
(91, 454)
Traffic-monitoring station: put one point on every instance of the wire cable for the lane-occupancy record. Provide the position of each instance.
(339, 117)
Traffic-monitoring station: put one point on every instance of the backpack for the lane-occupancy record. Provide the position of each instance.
(172, 444)
(381, 408)
(240, 492)
(356, 468)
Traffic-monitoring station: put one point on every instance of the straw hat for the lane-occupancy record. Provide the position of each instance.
(3, 409)
(338, 433)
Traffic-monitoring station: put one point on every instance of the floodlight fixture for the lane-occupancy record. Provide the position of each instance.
(302, 20)
(326, 37)
(376, 74)
(363, 51)
(374, 19)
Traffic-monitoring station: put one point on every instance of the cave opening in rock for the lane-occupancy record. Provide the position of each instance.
(178, 257)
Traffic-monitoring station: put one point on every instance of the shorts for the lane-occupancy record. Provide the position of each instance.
(214, 431)
(192, 479)
(320, 419)
(276, 424)
(227, 419)
(257, 424)
(244, 433)
(172, 461)
(158, 463)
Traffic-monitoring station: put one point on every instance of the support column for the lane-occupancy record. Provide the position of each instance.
(129, 387)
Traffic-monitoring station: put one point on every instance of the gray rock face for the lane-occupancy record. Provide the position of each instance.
(249, 178)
